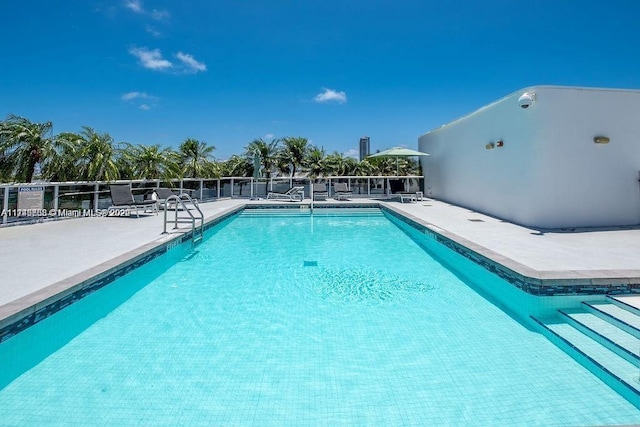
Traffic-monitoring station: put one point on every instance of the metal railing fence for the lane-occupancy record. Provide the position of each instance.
(59, 198)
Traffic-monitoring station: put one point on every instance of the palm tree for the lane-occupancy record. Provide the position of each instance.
(283, 167)
(294, 152)
(413, 167)
(25, 146)
(266, 150)
(196, 157)
(237, 166)
(64, 162)
(316, 162)
(151, 162)
(96, 154)
(6, 167)
(126, 160)
(364, 168)
(402, 166)
(336, 164)
(383, 165)
(351, 166)
(212, 170)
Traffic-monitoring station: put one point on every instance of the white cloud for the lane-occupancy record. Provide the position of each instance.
(352, 153)
(269, 136)
(153, 31)
(190, 62)
(159, 15)
(330, 95)
(151, 59)
(134, 5)
(133, 95)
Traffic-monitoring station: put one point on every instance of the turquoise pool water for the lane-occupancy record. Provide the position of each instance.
(288, 319)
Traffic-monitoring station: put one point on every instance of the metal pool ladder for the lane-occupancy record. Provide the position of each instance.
(182, 203)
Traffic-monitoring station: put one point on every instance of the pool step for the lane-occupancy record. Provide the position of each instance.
(629, 303)
(305, 211)
(603, 337)
(619, 316)
(253, 213)
(609, 335)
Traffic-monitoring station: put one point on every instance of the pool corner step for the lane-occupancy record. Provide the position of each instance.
(624, 319)
(629, 303)
(617, 372)
(609, 335)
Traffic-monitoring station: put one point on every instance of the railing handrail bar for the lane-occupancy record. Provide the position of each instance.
(193, 202)
(180, 199)
(177, 180)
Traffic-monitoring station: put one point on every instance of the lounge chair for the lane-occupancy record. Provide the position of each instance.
(293, 194)
(414, 188)
(341, 191)
(396, 188)
(320, 191)
(122, 197)
(162, 194)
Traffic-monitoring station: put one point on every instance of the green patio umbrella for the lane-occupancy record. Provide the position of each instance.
(398, 152)
(257, 166)
(257, 174)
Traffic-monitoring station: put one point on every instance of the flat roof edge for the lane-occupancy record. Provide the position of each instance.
(529, 89)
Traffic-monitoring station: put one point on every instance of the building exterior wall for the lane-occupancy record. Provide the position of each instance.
(549, 173)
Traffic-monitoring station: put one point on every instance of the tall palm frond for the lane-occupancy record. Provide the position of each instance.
(316, 162)
(336, 164)
(25, 146)
(64, 162)
(294, 152)
(98, 156)
(195, 157)
(237, 166)
(151, 162)
(267, 151)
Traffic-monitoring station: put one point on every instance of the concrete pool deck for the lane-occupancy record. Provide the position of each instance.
(39, 260)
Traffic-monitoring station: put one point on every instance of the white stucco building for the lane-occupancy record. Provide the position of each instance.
(571, 158)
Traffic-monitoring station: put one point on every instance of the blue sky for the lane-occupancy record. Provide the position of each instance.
(226, 72)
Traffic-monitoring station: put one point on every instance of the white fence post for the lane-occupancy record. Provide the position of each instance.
(5, 205)
(96, 196)
(56, 195)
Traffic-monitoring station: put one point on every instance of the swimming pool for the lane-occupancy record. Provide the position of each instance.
(341, 317)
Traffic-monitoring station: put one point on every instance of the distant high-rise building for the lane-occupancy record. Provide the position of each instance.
(364, 147)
